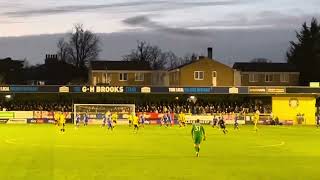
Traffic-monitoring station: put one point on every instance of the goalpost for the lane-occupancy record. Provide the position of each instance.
(96, 112)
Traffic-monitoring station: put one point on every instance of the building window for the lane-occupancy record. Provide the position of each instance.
(284, 77)
(198, 75)
(99, 79)
(253, 77)
(108, 79)
(174, 76)
(139, 76)
(123, 77)
(269, 77)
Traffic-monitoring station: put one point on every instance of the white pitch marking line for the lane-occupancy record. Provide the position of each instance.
(11, 141)
(273, 145)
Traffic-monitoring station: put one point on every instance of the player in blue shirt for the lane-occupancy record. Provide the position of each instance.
(236, 124)
(165, 119)
(109, 122)
(104, 120)
(222, 125)
(142, 119)
(78, 118)
(85, 119)
(214, 121)
(168, 119)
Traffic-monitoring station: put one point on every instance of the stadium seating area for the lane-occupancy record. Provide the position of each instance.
(204, 108)
(12, 106)
(198, 108)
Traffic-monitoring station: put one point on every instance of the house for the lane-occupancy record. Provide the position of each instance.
(54, 72)
(204, 71)
(125, 73)
(267, 74)
(10, 71)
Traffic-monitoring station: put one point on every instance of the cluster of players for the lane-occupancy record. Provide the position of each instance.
(110, 120)
(60, 119)
(167, 119)
(220, 123)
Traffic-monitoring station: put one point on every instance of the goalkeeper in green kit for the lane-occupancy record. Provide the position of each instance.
(198, 134)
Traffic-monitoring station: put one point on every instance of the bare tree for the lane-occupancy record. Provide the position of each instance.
(149, 54)
(175, 61)
(82, 47)
(172, 60)
(63, 50)
(189, 57)
(156, 58)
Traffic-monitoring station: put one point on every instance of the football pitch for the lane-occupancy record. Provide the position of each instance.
(41, 152)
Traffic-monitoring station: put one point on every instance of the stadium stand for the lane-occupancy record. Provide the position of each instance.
(197, 108)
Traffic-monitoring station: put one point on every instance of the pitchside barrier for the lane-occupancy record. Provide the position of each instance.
(46, 117)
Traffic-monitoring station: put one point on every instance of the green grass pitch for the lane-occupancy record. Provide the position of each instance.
(41, 152)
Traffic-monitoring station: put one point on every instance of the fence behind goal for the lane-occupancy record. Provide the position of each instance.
(96, 112)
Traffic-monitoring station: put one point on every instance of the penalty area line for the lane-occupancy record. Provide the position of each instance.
(11, 141)
(272, 145)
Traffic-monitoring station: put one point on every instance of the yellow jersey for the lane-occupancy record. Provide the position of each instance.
(182, 117)
(114, 117)
(135, 120)
(256, 117)
(56, 116)
(130, 117)
(62, 118)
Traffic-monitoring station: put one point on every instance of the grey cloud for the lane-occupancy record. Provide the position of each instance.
(146, 22)
(78, 8)
(208, 3)
(264, 19)
(147, 6)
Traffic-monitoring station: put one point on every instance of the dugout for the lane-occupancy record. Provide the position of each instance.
(299, 108)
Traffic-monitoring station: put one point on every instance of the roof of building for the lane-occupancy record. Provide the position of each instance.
(194, 61)
(9, 60)
(264, 67)
(119, 65)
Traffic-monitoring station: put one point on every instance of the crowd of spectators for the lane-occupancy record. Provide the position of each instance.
(32, 106)
(205, 108)
(187, 107)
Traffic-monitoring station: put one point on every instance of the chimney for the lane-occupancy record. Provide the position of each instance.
(210, 52)
(201, 57)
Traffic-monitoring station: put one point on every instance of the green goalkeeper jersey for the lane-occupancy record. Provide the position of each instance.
(197, 130)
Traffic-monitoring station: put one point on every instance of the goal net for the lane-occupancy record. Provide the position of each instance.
(96, 112)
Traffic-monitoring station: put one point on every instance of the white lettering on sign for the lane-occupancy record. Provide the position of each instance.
(91, 89)
(146, 90)
(4, 88)
(180, 90)
(102, 89)
(233, 90)
(64, 89)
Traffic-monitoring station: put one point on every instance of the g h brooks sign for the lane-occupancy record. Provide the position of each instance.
(102, 89)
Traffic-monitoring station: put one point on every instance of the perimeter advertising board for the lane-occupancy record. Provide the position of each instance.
(208, 119)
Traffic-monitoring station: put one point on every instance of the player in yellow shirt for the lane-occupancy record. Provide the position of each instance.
(182, 119)
(114, 118)
(256, 120)
(130, 119)
(135, 123)
(62, 122)
(56, 118)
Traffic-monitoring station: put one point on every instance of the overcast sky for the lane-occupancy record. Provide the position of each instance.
(198, 22)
